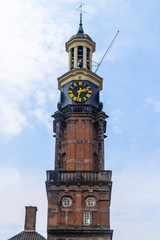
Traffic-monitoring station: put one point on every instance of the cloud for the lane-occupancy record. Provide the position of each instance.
(154, 104)
(116, 117)
(148, 101)
(157, 106)
(31, 44)
(43, 117)
(117, 129)
(136, 200)
(12, 121)
(40, 97)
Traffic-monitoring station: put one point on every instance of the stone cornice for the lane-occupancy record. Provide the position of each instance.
(80, 74)
(80, 41)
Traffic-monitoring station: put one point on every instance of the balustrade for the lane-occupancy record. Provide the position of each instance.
(79, 109)
(78, 176)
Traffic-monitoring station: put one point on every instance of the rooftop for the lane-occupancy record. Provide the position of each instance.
(27, 235)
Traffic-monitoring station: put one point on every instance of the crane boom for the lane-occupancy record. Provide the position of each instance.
(106, 51)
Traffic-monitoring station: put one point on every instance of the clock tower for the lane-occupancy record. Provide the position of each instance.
(79, 187)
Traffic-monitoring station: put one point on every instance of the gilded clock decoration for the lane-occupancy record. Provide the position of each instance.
(80, 91)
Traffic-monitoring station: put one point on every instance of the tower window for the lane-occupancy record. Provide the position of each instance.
(67, 202)
(88, 60)
(87, 218)
(90, 202)
(80, 57)
(72, 58)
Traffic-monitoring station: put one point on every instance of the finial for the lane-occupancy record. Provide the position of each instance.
(80, 25)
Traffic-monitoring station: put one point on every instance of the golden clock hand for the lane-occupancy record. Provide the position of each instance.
(85, 90)
(79, 92)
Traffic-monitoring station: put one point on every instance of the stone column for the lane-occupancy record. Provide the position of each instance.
(84, 57)
(69, 60)
(75, 57)
(90, 60)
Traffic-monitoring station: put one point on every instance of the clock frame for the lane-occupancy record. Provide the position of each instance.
(80, 91)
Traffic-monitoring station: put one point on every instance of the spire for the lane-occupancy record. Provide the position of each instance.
(80, 24)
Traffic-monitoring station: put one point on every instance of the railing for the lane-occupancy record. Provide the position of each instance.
(79, 176)
(77, 108)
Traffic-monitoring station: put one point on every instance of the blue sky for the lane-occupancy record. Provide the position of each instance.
(32, 46)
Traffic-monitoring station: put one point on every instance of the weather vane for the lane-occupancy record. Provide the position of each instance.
(80, 9)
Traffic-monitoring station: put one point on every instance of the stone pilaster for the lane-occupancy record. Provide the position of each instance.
(90, 60)
(69, 61)
(84, 57)
(75, 57)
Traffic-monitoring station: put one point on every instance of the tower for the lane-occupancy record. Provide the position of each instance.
(79, 189)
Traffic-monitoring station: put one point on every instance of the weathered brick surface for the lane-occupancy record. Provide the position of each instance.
(58, 214)
(79, 144)
(82, 145)
(30, 218)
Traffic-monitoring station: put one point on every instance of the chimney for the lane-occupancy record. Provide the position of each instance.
(30, 219)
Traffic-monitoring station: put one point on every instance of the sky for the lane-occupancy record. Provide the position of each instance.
(32, 47)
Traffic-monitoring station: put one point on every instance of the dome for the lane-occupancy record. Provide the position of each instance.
(80, 34)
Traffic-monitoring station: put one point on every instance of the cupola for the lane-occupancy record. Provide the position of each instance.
(80, 48)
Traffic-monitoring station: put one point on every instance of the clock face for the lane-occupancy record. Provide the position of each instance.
(80, 91)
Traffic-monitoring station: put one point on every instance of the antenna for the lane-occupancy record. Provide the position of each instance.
(106, 51)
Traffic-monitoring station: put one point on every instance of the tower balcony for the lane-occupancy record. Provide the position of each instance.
(79, 177)
(80, 108)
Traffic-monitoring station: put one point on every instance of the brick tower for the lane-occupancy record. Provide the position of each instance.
(79, 189)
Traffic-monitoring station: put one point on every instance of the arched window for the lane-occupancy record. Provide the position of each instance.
(66, 202)
(88, 58)
(80, 57)
(72, 58)
(90, 202)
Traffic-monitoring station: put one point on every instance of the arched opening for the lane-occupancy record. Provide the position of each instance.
(88, 58)
(80, 57)
(72, 58)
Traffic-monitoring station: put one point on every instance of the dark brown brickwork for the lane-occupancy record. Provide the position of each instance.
(30, 218)
(79, 186)
(73, 215)
(79, 176)
(79, 141)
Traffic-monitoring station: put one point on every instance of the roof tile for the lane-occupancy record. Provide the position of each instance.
(27, 235)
